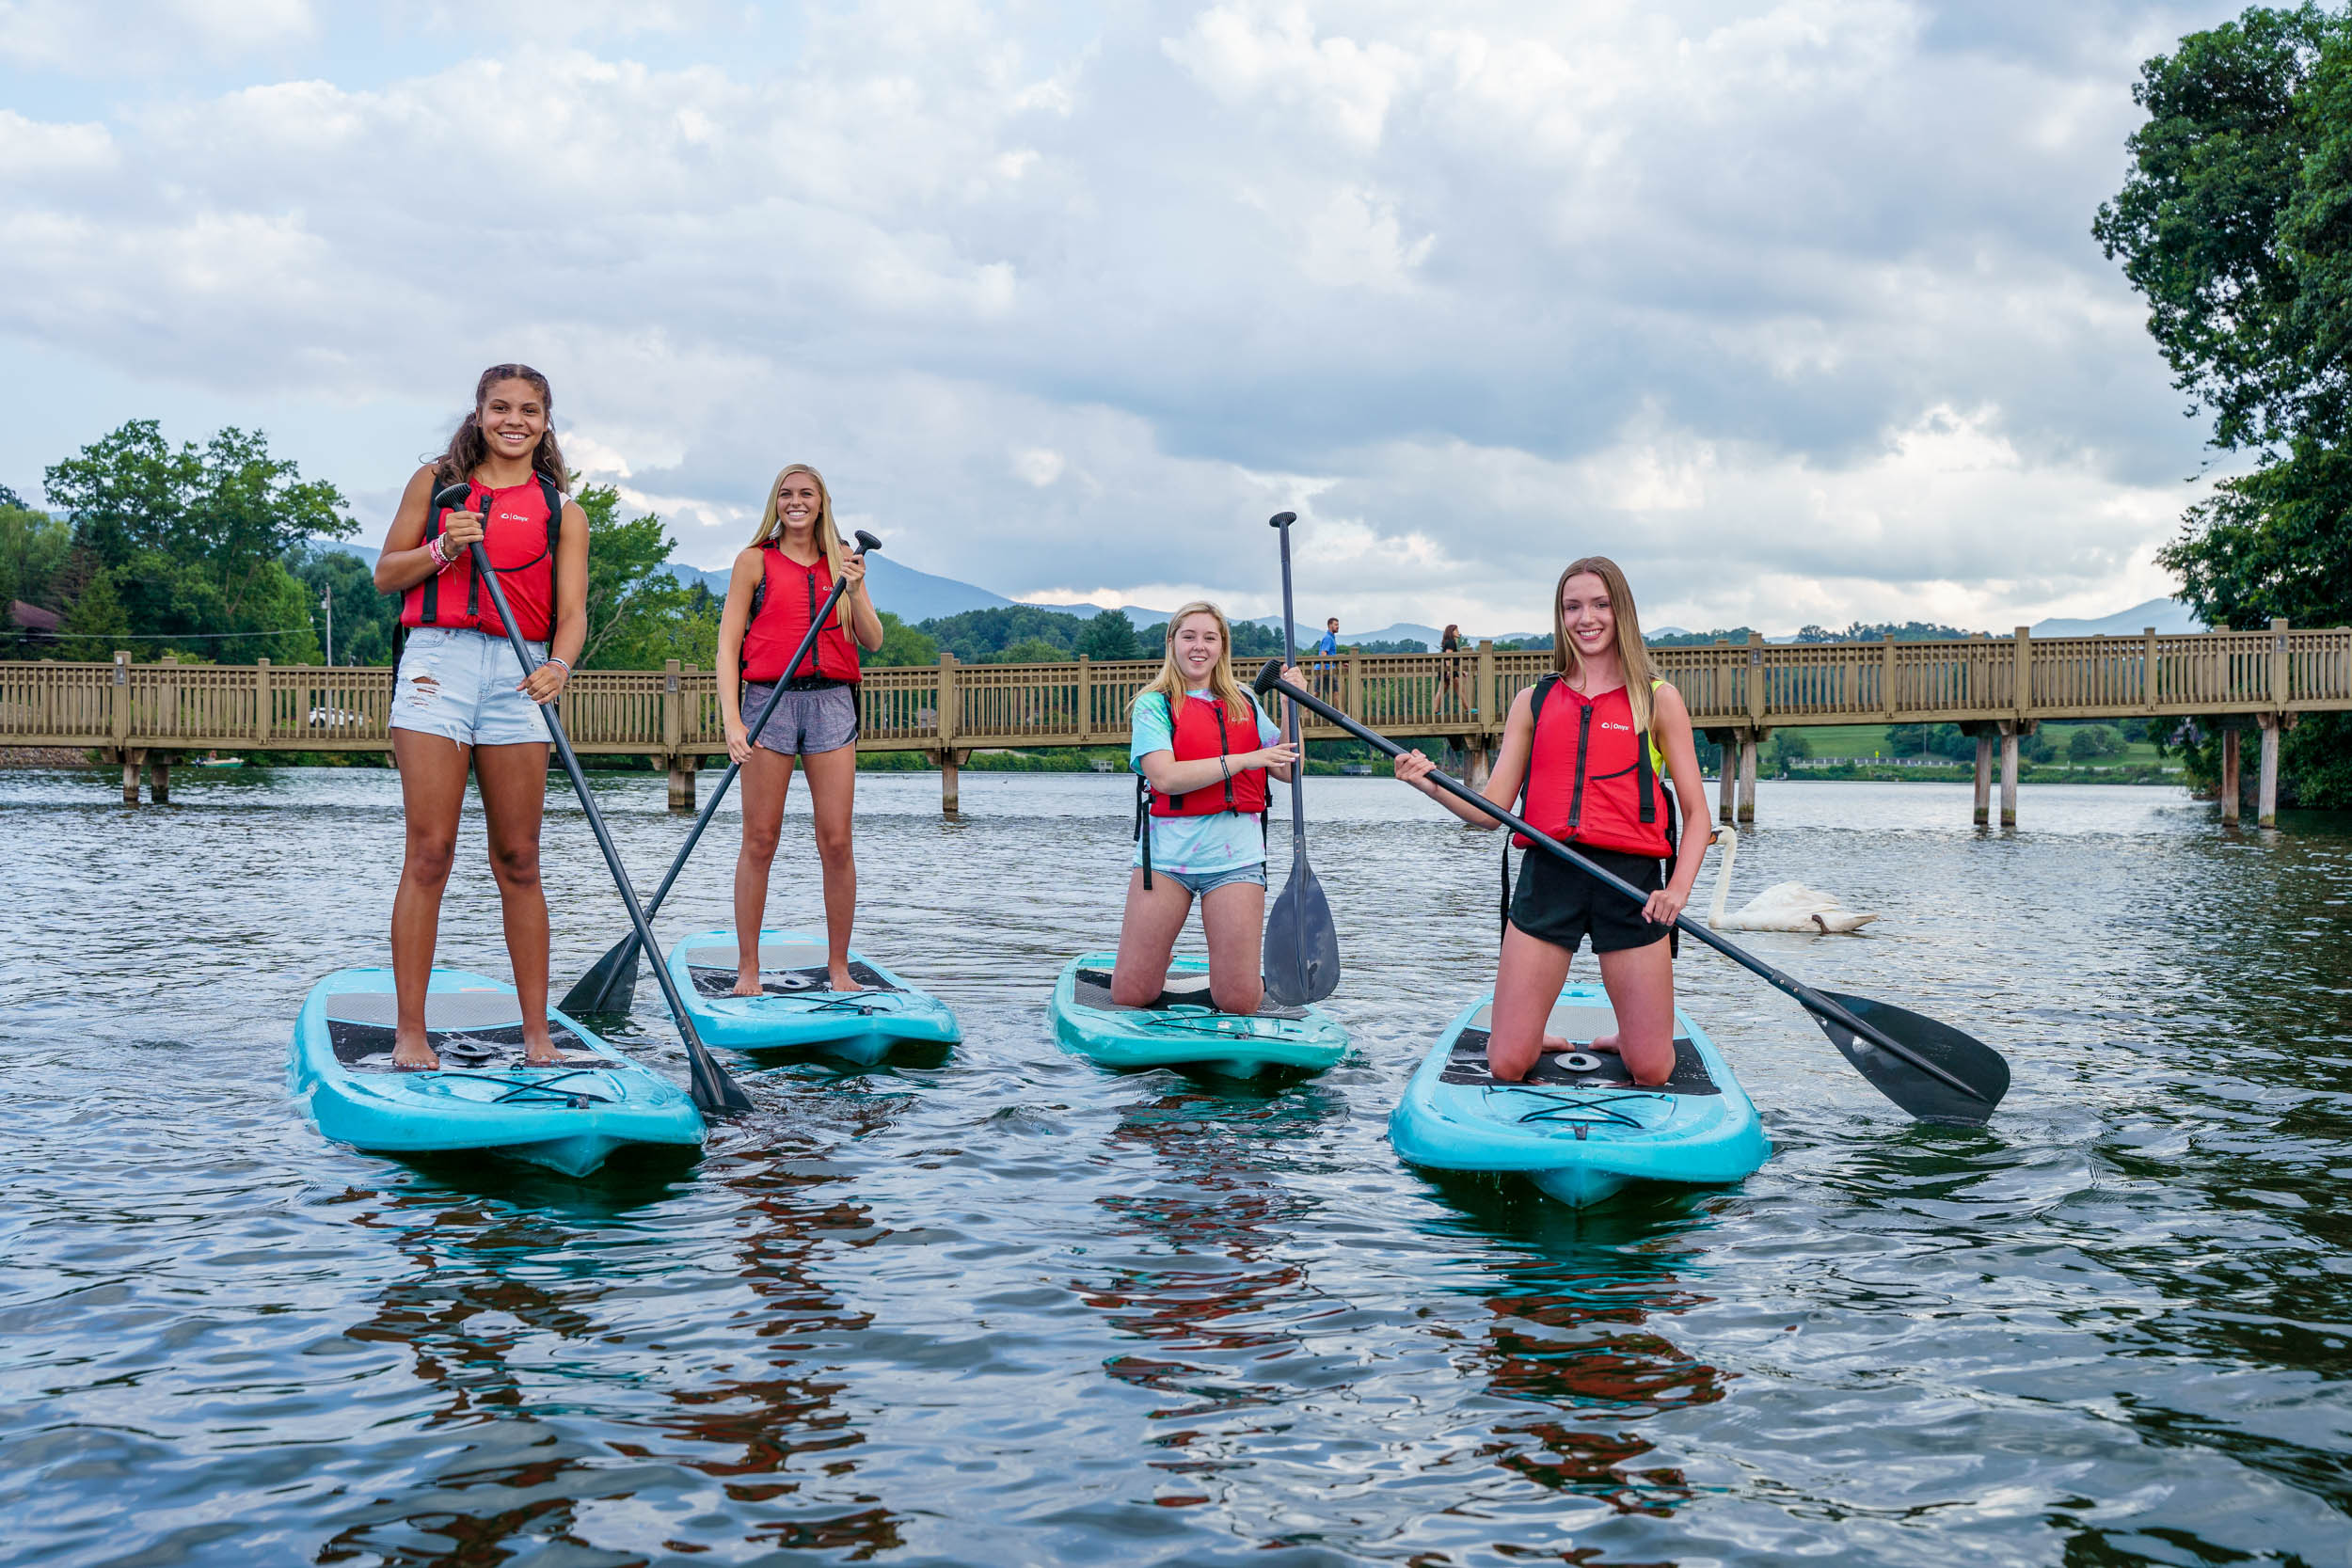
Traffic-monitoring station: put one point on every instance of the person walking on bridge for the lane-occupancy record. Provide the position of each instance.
(458, 697)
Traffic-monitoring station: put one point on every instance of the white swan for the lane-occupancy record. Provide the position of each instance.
(1783, 906)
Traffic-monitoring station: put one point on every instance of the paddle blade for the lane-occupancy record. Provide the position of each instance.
(714, 1093)
(1302, 949)
(610, 984)
(1965, 1057)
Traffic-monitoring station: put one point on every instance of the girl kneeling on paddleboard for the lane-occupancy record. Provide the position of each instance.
(1586, 744)
(1203, 748)
(458, 696)
(778, 585)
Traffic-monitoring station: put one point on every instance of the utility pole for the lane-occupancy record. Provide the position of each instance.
(327, 598)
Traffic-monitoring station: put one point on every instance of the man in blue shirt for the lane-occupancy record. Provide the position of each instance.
(1327, 673)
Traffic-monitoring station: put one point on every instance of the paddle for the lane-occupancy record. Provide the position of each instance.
(610, 984)
(1302, 950)
(714, 1092)
(1930, 1070)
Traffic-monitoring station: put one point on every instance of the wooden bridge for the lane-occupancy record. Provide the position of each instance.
(1997, 689)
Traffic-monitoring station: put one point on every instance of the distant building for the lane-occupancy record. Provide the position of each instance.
(32, 623)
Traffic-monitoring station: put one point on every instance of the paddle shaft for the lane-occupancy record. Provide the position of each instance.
(1803, 994)
(723, 1089)
(1290, 655)
(702, 820)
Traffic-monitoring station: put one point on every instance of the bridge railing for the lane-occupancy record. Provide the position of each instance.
(1746, 687)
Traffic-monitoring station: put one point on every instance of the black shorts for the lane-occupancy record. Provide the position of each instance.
(1555, 902)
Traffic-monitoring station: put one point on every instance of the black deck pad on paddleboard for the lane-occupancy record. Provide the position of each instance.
(1467, 1064)
(815, 979)
(473, 1030)
(1188, 988)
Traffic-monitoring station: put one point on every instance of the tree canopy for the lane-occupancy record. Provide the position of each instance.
(2235, 223)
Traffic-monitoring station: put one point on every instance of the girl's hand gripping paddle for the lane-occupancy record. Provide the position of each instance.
(1302, 950)
(714, 1092)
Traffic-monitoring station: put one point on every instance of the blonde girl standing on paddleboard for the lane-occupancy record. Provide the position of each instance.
(1586, 743)
(459, 698)
(1202, 751)
(779, 582)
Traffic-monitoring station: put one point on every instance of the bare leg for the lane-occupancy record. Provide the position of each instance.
(431, 789)
(1527, 983)
(831, 793)
(1234, 918)
(1146, 937)
(514, 780)
(1641, 983)
(766, 778)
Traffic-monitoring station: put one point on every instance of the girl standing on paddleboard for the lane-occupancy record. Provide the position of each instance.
(1202, 749)
(780, 581)
(1587, 743)
(460, 699)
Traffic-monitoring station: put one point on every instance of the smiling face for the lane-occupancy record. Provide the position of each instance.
(513, 416)
(1591, 619)
(799, 502)
(1197, 646)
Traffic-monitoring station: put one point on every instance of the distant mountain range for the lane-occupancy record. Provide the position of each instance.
(914, 595)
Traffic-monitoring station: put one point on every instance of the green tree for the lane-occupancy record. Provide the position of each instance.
(2235, 223)
(638, 611)
(33, 547)
(1033, 650)
(2093, 743)
(192, 540)
(902, 646)
(96, 625)
(365, 620)
(1108, 636)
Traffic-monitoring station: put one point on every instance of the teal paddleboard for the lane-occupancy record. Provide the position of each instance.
(1182, 1028)
(482, 1100)
(797, 1004)
(1579, 1127)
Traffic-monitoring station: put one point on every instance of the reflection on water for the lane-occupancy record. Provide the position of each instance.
(1004, 1308)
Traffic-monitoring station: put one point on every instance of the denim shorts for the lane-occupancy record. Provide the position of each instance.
(806, 722)
(1202, 883)
(463, 685)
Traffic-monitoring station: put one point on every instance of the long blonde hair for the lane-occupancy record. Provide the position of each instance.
(1170, 683)
(1632, 653)
(828, 536)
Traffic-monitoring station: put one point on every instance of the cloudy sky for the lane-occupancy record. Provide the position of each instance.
(1792, 308)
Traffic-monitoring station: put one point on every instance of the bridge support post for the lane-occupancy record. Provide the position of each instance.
(2266, 797)
(2230, 776)
(1480, 766)
(158, 778)
(1984, 781)
(132, 762)
(682, 781)
(2009, 772)
(951, 761)
(1727, 743)
(1751, 742)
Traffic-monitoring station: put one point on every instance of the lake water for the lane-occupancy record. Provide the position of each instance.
(1011, 1309)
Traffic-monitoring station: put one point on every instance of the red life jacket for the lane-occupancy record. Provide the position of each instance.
(1592, 778)
(1203, 729)
(521, 525)
(785, 601)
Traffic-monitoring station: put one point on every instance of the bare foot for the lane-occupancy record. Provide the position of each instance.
(414, 1054)
(746, 984)
(839, 980)
(539, 1048)
(1605, 1044)
(1557, 1043)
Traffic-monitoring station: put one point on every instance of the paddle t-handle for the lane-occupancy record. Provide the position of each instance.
(713, 1090)
(610, 984)
(1270, 679)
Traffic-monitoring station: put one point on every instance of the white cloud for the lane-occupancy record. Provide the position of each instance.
(92, 40)
(1792, 304)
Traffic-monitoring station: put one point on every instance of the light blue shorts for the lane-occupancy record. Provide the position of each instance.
(1202, 883)
(465, 685)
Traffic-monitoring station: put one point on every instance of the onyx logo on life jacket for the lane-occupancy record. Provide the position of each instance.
(1202, 728)
(522, 526)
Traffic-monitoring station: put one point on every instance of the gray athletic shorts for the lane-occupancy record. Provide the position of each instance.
(806, 722)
